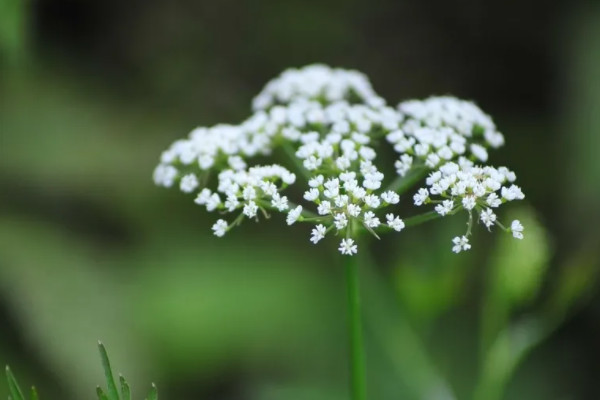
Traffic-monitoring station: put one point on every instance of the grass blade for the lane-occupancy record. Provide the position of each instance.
(113, 394)
(125, 391)
(13, 386)
(101, 394)
(153, 393)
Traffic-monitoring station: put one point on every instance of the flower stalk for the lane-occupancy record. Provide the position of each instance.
(357, 357)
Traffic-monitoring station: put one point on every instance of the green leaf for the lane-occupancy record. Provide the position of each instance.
(153, 393)
(13, 386)
(125, 391)
(113, 394)
(34, 394)
(101, 394)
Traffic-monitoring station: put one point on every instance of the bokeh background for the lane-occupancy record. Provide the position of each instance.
(92, 91)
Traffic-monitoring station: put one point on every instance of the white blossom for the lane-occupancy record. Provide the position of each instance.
(293, 215)
(331, 123)
(220, 227)
(516, 229)
(316, 181)
(312, 194)
(390, 197)
(394, 222)
(324, 208)
(203, 197)
(421, 196)
(214, 201)
(460, 244)
(340, 221)
(469, 202)
(371, 220)
(318, 233)
(279, 202)
(493, 200)
(188, 183)
(445, 207)
(488, 217)
(250, 209)
(353, 210)
(231, 203)
(403, 165)
(348, 247)
(372, 201)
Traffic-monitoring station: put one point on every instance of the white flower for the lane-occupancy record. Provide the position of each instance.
(249, 193)
(341, 200)
(316, 181)
(340, 220)
(203, 197)
(493, 200)
(444, 208)
(268, 188)
(353, 210)
(312, 163)
(394, 222)
(432, 160)
(232, 202)
(214, 201)
(164, 175)
(460, 244)
(517, 229)
(332, 188)
(359, 193)
(279, 202)
(488, 217)
(348, 247)
(312, 194)
(390, 197)
(433, 177)
(421, 197)
(318, 233)
(342, 163)
(479, 151)
(236, 163)
(293, 215)
(371, 184)
(348, 176)
(220, 227)
(371, 220)
(250, 209)
(324, 208)
(372, 201)
(350, 185)
(469, 202)
(403, 165)
(512, 193)
(188, 183)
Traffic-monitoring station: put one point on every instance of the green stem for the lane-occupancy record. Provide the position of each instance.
(357, 358)
(291, 154)
(421, 218)
(402, 183)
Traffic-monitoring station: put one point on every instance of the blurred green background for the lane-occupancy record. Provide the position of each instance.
(92, 91)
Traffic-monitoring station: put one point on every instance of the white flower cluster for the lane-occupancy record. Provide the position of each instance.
(317, 82)
(465, 186)
(440, 129)
(330, 122)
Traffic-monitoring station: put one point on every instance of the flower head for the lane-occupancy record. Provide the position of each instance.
(331, 124)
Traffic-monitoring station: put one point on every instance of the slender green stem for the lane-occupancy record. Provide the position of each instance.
(421, 218)
(291, 154)
(357, 358)
(402, 183)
